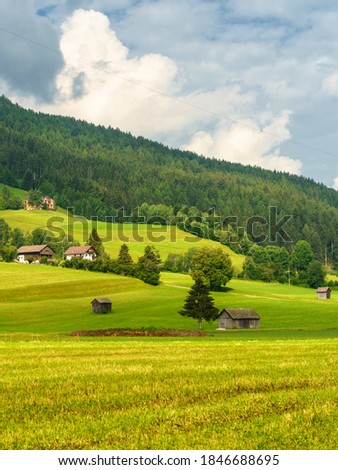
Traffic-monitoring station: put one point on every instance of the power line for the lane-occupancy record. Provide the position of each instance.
(174, 98)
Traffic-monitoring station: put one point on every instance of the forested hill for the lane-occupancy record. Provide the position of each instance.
(97, 170)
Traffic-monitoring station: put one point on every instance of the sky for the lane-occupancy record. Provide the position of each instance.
(247, 81)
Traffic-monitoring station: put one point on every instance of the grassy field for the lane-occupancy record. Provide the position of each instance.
(48, 300)
(202, 393)
(165, 239)
(273, 388)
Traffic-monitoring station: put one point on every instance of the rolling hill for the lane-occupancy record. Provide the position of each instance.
(49, 300)
(97, 171)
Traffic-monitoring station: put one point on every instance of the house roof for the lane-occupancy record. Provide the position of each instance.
(241, 313)
(102, 300)
(32, 249)
(79, 250)
(323, 289)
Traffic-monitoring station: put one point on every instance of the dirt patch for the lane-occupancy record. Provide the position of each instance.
(142, 332)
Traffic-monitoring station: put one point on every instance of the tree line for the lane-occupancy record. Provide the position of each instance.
(97, 171)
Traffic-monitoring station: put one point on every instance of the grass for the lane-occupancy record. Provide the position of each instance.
(274, 388)
(42, 299)
(201, 393)
(15, 191)
(167, 239)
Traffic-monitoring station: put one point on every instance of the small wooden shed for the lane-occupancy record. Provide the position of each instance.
(101, 305)
(323, 293)
(233, 318)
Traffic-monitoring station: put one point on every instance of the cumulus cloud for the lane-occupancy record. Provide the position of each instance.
(335, 183)
(102, 83)
(247, 144)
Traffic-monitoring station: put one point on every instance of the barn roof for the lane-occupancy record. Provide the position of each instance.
(102, 300)
(32, 249)
(241, 313)
(79, 250)
(323, 290)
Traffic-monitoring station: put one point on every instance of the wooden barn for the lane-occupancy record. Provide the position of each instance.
(101, 305)
(323, 293)
(237, 318)
(35, 252)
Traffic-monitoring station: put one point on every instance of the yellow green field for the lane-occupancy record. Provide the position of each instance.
(167, 239)
(273, 388)
(204, 393)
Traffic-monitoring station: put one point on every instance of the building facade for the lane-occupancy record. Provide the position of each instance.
(35, 252)
(238, 318)
(81, 252)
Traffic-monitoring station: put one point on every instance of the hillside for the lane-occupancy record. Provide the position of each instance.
(99, 170)
(167, 239)
(48, 300)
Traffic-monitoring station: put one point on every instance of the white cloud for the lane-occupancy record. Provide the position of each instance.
(335, 183)
(330, 84)
(102, 83)
(247, 144)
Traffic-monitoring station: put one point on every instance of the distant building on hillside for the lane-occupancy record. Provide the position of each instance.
(101, 305)
(81, 252)
(47, 203)
(236, 318)
(36, 252)
(323, 293)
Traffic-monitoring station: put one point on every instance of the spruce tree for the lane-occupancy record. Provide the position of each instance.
(148, 266)
(95, 241)
(124, 257)
(199, 304)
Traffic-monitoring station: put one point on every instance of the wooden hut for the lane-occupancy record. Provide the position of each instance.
(323, 293)
(101, 305)
(233, 318)
(34, 252)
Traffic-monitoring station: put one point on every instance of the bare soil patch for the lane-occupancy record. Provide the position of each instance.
(142, 332)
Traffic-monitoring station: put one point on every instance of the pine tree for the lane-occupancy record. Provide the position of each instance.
(95, 241)
(199, 304)
(124, 257)
(148, 266)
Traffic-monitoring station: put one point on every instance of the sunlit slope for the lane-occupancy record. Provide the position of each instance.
(167, 239)
(45, 299)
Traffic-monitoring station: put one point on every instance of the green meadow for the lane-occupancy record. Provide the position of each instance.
(167, 239)
(45, 299)
(273, 388)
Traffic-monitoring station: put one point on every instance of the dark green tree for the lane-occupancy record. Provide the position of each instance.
(149, 265)
(316, 274)
(39, 236)
(124, 257)
(8, 253)
(17, 238)
(302, 255)
(14, 203)
(5, 193)
(34, 197)
(95, 241)
(212, 266)
(4, 232)
(199, 304)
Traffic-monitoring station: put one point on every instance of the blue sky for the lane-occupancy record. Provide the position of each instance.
(247, 81)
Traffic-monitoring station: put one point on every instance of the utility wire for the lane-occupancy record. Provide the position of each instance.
(174, 98)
